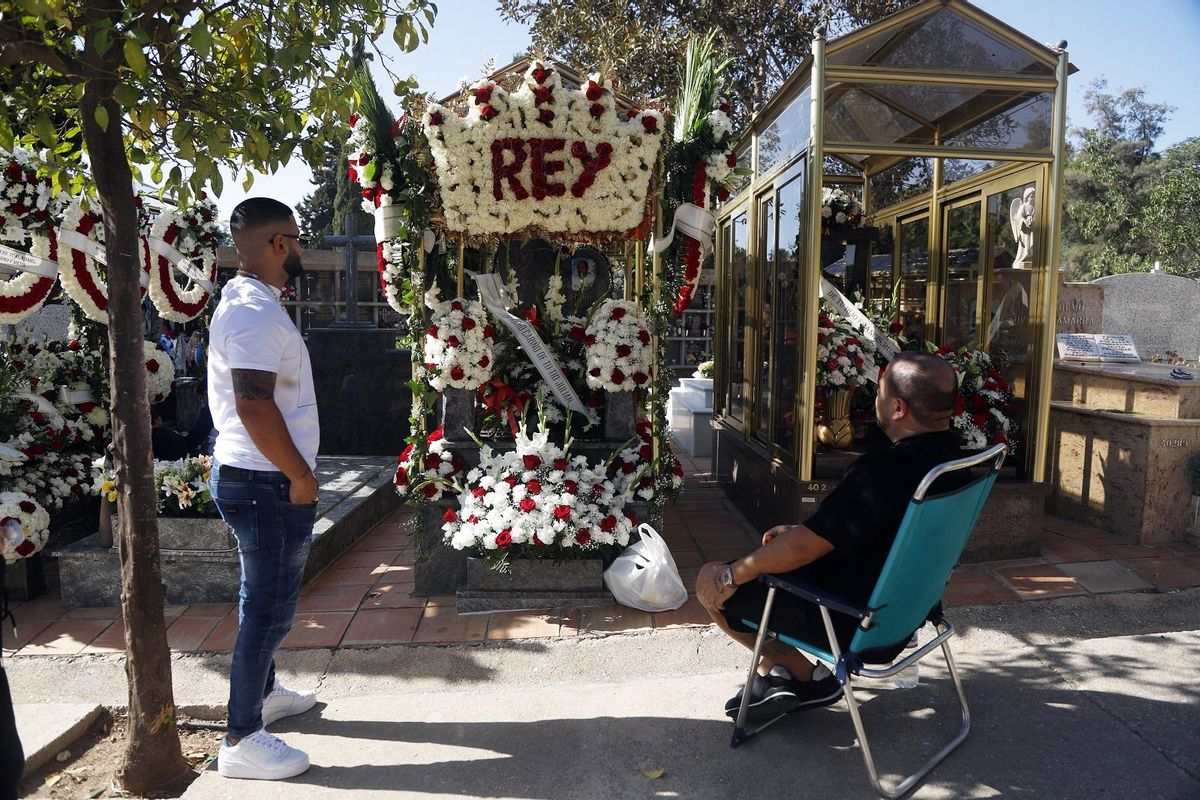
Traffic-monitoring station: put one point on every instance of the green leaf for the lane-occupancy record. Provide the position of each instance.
(405, 35)
(156, 174)
(201, 39)
(45, 130)
(102, 117)
(102, 41)
(135, 58)
(369, 171)
(125, 94)
(248, 182)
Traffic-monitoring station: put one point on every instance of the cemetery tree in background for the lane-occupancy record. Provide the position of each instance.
(1109, 177)
(644, 41)
(166, 92)
(1171, 222)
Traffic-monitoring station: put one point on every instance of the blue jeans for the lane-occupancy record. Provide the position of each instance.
(273, 537)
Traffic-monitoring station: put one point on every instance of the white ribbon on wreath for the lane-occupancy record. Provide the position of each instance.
(78, 255)
(693, 221)
(178, 303)
(33, 274)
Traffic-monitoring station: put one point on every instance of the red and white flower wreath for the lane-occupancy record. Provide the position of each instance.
(160, 372)
(24, 524)
(190, 237)
(458, 344)
(80, 241)
(618, 347)
(25, 211)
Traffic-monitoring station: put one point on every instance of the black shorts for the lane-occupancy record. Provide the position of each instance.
(798, 619)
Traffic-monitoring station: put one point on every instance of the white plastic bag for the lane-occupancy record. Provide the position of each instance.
(645, 575)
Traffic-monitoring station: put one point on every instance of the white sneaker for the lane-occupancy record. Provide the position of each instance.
(284, 702)
(260, 756)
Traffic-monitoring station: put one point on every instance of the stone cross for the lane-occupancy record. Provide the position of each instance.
(351, 241)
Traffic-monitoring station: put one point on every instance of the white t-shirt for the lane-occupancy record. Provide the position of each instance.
(251, 330)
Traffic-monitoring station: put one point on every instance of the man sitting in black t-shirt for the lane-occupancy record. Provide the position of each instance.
(842, 547)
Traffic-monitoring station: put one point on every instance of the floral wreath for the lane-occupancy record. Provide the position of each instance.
(845, 357)
(27, 206)
(24, 524)
(538, 499)
(617, 342)
(458, 344)
(78, 271)
(160, 372)
(194, 233)
(590, 164)
(427, 471)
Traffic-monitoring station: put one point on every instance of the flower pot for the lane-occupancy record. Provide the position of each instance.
(533, 583)
(837, 431)
(389, 221)
(190, 533)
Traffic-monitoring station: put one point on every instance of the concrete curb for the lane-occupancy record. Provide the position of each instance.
(46, 729)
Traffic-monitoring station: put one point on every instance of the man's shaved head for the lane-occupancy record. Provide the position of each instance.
(255, 213)
(927, 383)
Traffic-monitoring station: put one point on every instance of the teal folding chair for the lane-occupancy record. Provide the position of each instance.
(930, 541)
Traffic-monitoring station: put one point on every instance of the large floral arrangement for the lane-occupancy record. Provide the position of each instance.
(28, 207)
(428, 471)
(160, 372)
(981, 414)
(458, 343)
(839, 209)
(545, 159)
(846, 358)
(80, 265)
(194, 232)
(181, 487)
(536, 500)
(617, 338)
(24, 524)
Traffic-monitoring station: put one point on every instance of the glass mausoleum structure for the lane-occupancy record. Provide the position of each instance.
(936, 119)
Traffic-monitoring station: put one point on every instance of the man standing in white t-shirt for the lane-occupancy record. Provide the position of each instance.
(260, 392)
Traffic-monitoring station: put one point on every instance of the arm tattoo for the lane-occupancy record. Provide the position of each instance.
(253, 384)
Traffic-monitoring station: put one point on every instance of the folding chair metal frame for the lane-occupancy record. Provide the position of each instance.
(847, 666)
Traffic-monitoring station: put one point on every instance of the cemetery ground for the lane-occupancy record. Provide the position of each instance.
(1078, 665)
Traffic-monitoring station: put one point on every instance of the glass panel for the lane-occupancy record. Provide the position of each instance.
(914, 273)
(787, 134)
(881, 281)
(857, 117)
(964, 277)
(959, 169)
(1023, 126)
(836, 166)
(787, 308)
(862, 52)
(737, 344)
(1009, 337)
(947, 40)
(744, 162)
(909, 178)
(766, 286)
(929, 101)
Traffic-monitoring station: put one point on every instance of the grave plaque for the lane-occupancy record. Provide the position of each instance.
(1117, 348)
(1078, 347)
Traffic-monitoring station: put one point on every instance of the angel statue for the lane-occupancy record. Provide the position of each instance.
(1020, 216)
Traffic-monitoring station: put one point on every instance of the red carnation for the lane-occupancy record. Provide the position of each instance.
(27, 506)
(488, 112)
(152, 366)
(618, 313)
(478, 491)
(597, 492)
(646, 452)
(562, 512)
(832, 365)
(531, 461)
(644, 337)
(483, 362)
(596, 109)
(456, 305)
(435, 118)
(488, 331)
(640, 377)
(545, 116)
(618, 377)
(432, 330)
(453, 341)
(457, 373)
(609, 523)
(577, 333)
(511, 481)
(650, 123)
(468, 324)
(450, 515)
(582, 536)
(527, 504)
(533, 486)
(560, 463)
(589, 340)
(623, 350)
(504, 539)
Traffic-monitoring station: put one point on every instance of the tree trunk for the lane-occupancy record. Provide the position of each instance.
(152, 757)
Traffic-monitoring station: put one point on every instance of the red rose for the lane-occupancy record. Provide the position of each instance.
(456, 305)
(483, 94)
(896, 327)
(533, 486)
(650, 124)
(152, 366)
(577, 333)
(504, 539)
(594, 372)
(582, 536)
(628, 468)
(435, 118)
(617, 377)
(457, 373)
(596, 110)
(429, 490)
(646, 452)
(589, 340)
(858, 362)
(722, 194)
(594, 91)
(959, 405)
(832, 365)
(27, 507)
(542, 94)
(401, 478)
(623, 350)
(978, 403)
(432, 461)
(488, 112)
(731, 160)
(562, 512)
(438, 433)
(609, 523)
(511, 481)
(540, 74)
(640, 377)
(981, 420)
(25, 548)
(450, 515)
(618, 313)
(531, 461)
(597, 492)
(527, 504)
(489, 332)
(560, 463)
(468, 324)
(570, 487)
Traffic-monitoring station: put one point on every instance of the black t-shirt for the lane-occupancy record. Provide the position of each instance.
(167, 445)
(861, 517)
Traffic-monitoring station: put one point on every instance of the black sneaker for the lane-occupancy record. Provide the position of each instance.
(815, 694)
(770, 696)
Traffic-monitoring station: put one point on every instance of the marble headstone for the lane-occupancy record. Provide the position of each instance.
(48, 322)
(1080, 308)
(1158, 310)
(585, 272)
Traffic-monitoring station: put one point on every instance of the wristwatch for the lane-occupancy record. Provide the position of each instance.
(727, 581)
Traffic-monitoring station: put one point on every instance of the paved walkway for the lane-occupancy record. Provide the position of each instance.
(365, 597)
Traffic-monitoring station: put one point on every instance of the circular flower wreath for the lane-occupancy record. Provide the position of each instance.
(617, 341)
(437, 468)
(458, 344)
(24, 524)
(194, 233)
(78, 271)
(160, 372)
(27, 205)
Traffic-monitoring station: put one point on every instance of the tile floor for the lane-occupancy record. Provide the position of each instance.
(365, 598)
